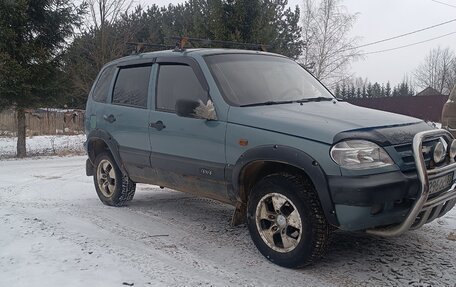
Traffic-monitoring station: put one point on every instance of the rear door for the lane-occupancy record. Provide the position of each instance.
(127, 118)
(97, 102)
(188, 154)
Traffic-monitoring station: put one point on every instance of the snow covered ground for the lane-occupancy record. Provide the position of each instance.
(55, 232)
(44, 145)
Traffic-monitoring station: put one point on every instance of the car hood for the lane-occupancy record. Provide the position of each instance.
(329, 122)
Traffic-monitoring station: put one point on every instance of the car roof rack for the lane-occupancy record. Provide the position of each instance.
(182, 41)
(139, 47)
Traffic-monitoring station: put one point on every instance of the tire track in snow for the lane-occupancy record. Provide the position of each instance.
(201, 247)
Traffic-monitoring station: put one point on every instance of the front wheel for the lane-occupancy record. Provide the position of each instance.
(286, 221)
(113, 188)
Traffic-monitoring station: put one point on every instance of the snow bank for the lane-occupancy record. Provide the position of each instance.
(44, 145)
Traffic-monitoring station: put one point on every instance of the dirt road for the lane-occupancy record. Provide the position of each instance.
(55, 232)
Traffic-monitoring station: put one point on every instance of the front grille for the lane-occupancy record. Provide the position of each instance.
(405, 152)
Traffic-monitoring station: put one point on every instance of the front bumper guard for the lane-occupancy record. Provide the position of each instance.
(424, 210)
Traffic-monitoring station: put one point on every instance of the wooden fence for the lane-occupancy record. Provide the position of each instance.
(44, 122)
(427, 107)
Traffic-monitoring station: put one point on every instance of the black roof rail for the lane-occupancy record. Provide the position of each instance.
(207, 43)
(141, 46)
(181, 43)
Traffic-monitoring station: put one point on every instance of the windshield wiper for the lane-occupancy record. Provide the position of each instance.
(316, 99)
(268, 103)
(305, 100)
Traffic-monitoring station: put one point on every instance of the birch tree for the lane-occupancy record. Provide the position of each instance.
(328, 48)
(437, 71)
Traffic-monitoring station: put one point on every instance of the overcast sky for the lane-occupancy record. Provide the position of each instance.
(380, 19)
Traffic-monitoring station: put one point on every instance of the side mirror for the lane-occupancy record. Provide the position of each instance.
(194, 109)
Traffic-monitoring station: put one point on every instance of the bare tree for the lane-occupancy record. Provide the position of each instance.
(328, 48)
(437, 71)
(102, 39)
(105, 12)
(452, 76)
(102, 17)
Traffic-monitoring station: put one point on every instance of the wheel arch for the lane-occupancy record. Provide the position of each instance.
(101, 141)
(258, 162)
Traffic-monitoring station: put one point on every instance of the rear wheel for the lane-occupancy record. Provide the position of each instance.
(113, 188)
(286, 221)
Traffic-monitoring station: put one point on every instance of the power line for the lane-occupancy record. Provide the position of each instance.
(409, 45)
(403, 35)
(443, 3)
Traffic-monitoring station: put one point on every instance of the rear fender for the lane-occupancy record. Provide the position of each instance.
(111, 144)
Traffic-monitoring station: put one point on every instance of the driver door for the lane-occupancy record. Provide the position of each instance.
(188, 154)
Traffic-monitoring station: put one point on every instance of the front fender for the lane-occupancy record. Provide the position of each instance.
(295, 158)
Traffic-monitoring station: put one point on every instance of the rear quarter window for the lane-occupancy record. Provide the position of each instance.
(101, 90)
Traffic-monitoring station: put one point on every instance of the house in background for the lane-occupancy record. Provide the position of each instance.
(426, 105)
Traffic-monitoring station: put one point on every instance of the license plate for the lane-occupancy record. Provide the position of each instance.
(440, 183)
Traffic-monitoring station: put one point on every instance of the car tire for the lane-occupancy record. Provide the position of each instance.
(286, 221)
(113, 187)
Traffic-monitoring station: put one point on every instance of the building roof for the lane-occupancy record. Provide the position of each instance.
(429, 91)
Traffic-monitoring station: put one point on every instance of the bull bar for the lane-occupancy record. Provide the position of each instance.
(424, 210)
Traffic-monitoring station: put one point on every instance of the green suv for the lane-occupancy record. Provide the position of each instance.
(257, 131)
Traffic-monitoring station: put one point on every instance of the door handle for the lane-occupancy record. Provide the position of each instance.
(111, 118)
(157, 125)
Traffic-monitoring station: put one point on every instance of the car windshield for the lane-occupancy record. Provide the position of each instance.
(252, 79)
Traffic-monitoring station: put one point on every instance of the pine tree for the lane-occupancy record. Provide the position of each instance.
(376, 90)
(369, 91)
(337, 91)
(33, 35)
(352, 91)
(343, 92)
(403, 89)
(395, 92)
(388, 90)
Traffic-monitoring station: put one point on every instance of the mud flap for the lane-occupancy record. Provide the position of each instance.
(239, 215)
(89, 168)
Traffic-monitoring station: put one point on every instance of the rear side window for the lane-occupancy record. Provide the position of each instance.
(177, 82)
(100, 92)
(132, 86)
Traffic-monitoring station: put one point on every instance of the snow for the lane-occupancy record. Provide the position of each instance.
(54, 231)
(44, 145)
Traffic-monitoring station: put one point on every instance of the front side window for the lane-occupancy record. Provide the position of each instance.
(176, 82)
(246, 79)
(132, 86)
(100, 92)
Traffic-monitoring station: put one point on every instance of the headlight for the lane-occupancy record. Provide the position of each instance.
(452, 150)
(360, 154)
